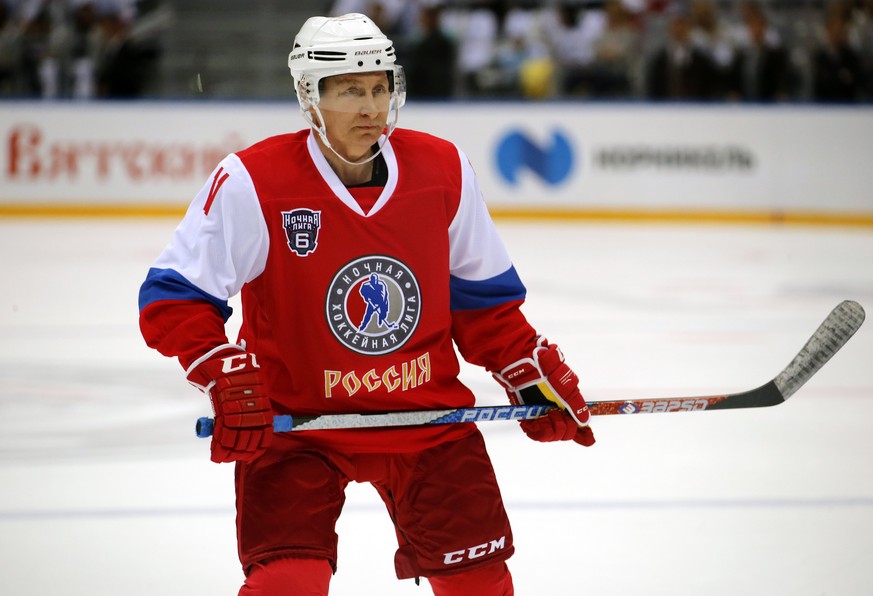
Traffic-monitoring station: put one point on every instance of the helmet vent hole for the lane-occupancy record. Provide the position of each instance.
(378, 62)
(360, 62)
(326, 55)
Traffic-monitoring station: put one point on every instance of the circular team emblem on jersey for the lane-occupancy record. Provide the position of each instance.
(373, 305)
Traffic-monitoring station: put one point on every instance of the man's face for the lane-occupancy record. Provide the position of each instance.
(355, 111)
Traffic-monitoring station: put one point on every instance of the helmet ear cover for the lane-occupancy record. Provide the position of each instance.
(307, 93)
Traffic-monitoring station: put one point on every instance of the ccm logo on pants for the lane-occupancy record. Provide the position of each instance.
(474, 552)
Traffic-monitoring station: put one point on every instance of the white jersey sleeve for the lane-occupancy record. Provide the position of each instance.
(481, 272)
(222, 242)
(476, 250)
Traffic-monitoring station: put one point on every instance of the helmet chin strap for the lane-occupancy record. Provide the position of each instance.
(321, 129)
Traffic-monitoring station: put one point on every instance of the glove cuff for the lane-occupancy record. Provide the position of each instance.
(522, 373)
(199, 377)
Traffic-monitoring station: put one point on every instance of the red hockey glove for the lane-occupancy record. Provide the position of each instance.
(546, 379)
(243, 416)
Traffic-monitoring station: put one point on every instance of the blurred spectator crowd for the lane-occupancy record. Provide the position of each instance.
(694, 50)
(79, 49)
(676, 50)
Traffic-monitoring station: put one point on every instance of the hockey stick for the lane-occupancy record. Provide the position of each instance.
(831, 335)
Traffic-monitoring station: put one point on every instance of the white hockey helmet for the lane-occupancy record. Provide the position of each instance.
(329, 46)
(351, 43)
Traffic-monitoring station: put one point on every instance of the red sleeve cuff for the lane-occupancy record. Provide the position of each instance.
(182, 329)
(493, 337)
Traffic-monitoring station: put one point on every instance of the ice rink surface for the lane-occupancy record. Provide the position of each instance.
(106, 491)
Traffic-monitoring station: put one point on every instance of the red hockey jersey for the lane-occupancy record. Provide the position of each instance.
(347, 311)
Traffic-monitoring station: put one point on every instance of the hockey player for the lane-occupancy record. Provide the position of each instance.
(361, 252)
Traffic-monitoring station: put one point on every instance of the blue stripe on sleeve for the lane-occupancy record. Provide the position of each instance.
(471, 295)
(167, 284)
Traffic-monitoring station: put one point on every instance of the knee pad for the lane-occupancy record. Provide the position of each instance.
(288, 575)
(488, 580)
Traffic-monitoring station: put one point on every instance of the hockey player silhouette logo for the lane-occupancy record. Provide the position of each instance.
(374, 291)
(373, 305)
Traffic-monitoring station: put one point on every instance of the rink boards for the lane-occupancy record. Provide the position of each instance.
(568, 160)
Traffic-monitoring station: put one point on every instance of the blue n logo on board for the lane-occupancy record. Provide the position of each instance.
(551, 162)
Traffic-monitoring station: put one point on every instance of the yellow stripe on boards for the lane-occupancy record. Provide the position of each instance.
(817, 218)
(670, 216)
(92, 210)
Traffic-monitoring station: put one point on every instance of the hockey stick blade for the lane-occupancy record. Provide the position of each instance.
(840, 325)
(833, 333)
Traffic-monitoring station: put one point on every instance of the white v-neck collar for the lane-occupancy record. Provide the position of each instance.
(339, 189)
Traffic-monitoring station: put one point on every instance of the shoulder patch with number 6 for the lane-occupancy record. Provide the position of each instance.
(301, 229)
